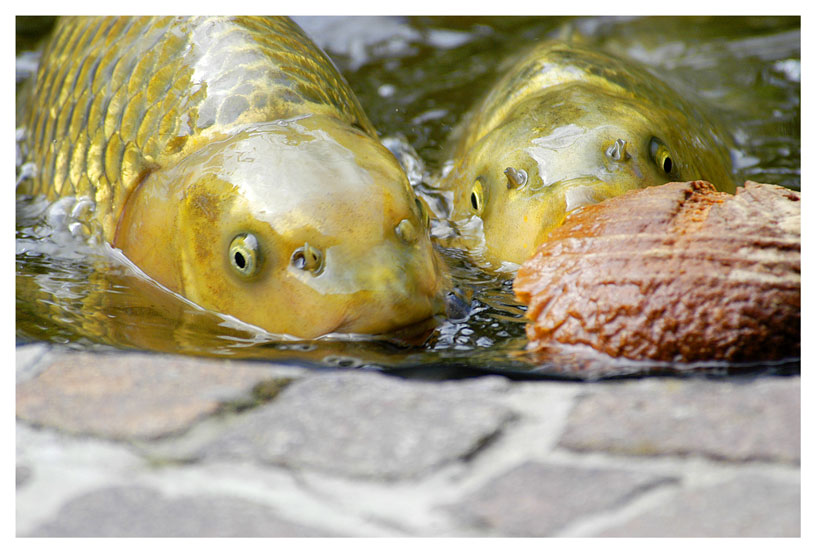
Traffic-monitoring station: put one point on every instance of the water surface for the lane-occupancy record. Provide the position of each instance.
(416, 77)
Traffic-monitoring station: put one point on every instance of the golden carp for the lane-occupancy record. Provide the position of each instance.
(566, 127)
(230, 161)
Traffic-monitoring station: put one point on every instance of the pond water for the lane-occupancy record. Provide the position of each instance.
(416, 77)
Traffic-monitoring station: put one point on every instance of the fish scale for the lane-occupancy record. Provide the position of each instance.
(549, 65)
(228, 160)
(567, 126)
(106, 116)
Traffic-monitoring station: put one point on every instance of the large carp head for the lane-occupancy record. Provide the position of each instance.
(571, 146)
(301, 227)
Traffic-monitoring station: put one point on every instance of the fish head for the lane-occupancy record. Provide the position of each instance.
(302, 227)
(562, 150)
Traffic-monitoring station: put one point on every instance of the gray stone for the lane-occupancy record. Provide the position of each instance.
(536, 499)
(29, 359)
(745, 506)
(366, 425)
(135, 395)
(22, 475)
(138, 511)
(734, 420)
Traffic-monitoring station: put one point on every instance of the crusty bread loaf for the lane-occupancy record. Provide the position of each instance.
(677, 273)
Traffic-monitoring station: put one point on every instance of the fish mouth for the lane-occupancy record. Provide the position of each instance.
(404, 299)
(580, 195)
(412, 334)
(415, 334)
(583, 191)
(347, 323)
(415, 315)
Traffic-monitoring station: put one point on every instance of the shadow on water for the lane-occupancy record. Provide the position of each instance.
(416, 77)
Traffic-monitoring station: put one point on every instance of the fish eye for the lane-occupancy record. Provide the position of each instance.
(662, 157)
(244, 254)
(477, 197)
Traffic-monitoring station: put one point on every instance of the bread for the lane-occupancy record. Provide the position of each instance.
(676, 273)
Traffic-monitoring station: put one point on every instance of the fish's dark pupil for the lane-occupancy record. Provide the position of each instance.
(240, 262)
(667, 165)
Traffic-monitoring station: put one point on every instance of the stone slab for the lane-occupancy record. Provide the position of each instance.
(366, 425)
(137, 511)
(754, 420)
(29, 359)
(535, 499)
(22, 475)
(136, 395)
(745, 506)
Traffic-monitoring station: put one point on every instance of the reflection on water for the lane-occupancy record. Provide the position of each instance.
(416, 77)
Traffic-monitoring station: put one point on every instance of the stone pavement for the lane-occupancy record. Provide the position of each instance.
(136, 444)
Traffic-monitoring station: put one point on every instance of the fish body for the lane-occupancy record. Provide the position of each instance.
(567, 126)
(231, 162)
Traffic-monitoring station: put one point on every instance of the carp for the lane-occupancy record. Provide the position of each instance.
(230, 161)
(564, 127)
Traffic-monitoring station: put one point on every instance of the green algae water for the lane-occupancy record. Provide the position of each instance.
(416, 78)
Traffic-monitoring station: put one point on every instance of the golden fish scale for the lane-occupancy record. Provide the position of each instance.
(552, 64)
(118, 97)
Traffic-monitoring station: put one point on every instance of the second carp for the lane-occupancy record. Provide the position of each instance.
(568, 126)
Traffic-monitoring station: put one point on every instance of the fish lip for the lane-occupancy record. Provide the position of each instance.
(423, 297)
(347, 321)
(436, 310)
(413, 334)
(581, 191)
(585, 180)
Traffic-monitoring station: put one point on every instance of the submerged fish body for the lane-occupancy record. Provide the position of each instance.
(565, 127)
(230, 161)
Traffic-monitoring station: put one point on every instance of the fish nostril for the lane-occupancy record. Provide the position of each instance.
(406, 231)
(515, 177)
(308, 258)
(617, 151)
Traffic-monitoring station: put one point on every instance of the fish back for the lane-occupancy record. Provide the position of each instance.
(119, 97)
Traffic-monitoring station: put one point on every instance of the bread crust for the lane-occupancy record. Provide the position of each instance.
(677, 273)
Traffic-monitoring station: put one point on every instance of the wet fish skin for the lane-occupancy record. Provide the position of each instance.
(118, 97)
(122, 106)
(567, 126)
